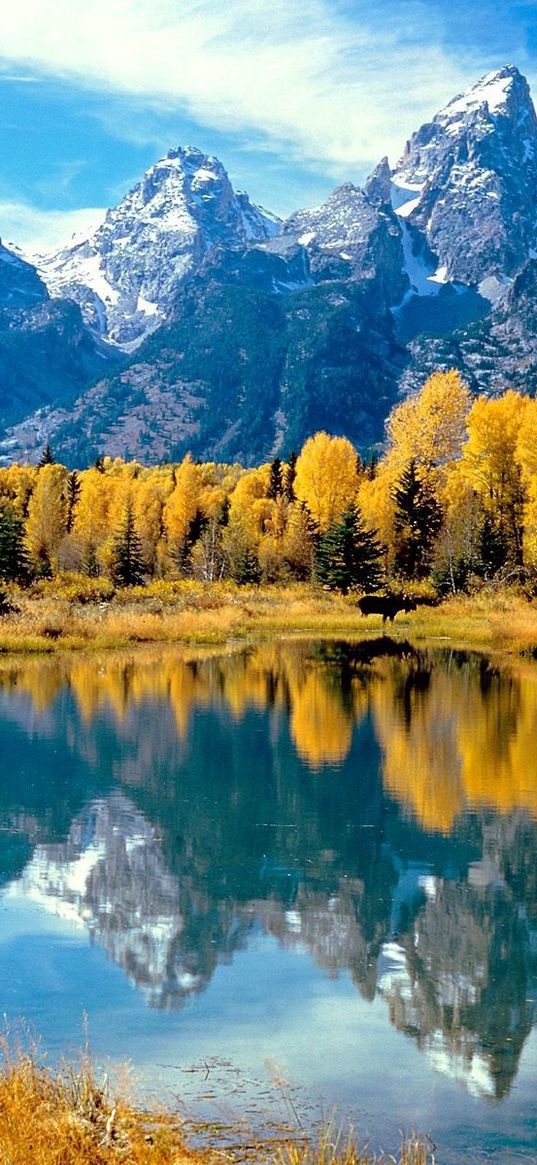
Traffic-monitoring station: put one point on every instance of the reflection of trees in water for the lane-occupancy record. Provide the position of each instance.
(284, 823)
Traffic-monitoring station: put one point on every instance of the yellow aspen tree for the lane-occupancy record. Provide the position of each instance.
(150, 494)
(92, 526)
(249, 502)
(491, 466)
(377, 504)
(430, 427)
(458, 550)
(46, 524)
(526, 457)
(17, 483)
(182, 505)
(297, 545)
(326, 478)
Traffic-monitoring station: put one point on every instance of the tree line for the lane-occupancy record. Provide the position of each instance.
(452, 498)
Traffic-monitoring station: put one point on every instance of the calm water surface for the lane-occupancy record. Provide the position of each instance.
(314, 863)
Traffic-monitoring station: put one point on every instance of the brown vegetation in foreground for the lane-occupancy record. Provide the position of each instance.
(67, 1118)
(72, 612)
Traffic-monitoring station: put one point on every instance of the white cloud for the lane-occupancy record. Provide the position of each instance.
(335, 91)
(33, 230)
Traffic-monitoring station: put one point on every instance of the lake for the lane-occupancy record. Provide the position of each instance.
(279, 878)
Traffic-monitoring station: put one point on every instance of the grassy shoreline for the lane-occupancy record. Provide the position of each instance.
(69, 616)
(66, 1116)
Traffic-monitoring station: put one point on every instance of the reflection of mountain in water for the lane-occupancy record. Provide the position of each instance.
(245, 792)
(110, 876)
(458, 980)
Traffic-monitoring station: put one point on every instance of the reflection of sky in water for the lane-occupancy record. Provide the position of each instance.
(269, 903)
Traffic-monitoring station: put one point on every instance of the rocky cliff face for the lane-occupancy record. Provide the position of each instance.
(495, 353)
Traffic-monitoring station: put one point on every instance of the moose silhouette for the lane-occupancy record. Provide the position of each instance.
(385, 605)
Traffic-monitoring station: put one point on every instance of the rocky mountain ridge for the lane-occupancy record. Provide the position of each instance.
(239, 334)
(125, 276)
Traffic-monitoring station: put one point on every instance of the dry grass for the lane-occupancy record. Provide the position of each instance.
(65, 615)
(497, 620)
(66, 1117)
(334, 1148)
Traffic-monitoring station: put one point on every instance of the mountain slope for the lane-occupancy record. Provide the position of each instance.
(240, 373)
(493, 354)
(47, 354)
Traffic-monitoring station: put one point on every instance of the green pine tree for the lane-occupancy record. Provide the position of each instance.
(73, 494)
(128, 568)
(90, 563)
(183, 554)
(348, 555)
(418, 519)
(289, 478)
(14, 563)
(276, 479)
(47, 457)
(493, 547)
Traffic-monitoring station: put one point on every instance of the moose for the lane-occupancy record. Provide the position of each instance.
(385, 605)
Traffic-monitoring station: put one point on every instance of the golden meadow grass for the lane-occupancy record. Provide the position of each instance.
(72, 613)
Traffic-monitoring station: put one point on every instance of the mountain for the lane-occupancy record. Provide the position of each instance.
(238, 335)
(467, 182)
(266, 340)
(497, 352)
(125, 276)
(465, 195)
(20, 285)
(47, 354)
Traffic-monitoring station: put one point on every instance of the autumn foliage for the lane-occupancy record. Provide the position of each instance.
(453, 498)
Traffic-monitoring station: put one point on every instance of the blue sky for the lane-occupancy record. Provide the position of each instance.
(293, 95)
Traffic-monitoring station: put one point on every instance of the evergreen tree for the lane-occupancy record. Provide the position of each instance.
(371, 467)
(289, 478)
(73, 494)
(182, 553)
(223, 519)
(348, 555)
(241, 560)
(493, 547)
(90, 565)
(14, 565)
(275, 488)
(128, 569)
(418, 519)
(47, 457)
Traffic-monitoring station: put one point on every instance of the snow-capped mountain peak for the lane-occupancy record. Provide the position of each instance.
(126, 275)
(494, 90)
(467, 180)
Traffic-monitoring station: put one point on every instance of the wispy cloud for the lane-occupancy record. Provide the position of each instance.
(333, 83)
(60, 177)
(35, 230)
